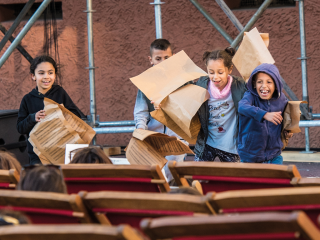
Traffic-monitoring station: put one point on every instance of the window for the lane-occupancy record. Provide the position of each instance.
(247, 4)
(9, 12)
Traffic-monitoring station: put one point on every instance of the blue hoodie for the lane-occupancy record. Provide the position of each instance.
(260, 140)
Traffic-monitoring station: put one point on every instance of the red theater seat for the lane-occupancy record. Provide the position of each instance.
(9, 179)
(108, 177)
(60, 232)
(262, 226)
(265, 200)
(130, 208)
(46, 207)
(220, 176)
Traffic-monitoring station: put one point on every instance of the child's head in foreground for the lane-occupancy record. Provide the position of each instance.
(160, 50)
(44, 70)
(219, 66)
(91, 155)
(8, 161)
(265, 81)
(42, 178)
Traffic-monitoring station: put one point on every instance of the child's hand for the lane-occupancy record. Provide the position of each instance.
(274, 117)
(156, 107)
(288, 134)
(39, 115)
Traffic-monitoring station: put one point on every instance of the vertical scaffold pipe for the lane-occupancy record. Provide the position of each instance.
(304, 58)
(91, 67)
(157, 15)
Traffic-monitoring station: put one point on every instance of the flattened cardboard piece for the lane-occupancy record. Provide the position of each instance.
(251, 53)
(162, 79)
(265, 38)
(183, 104)
(291, 118)
(149, 148)
(50, 136)
(195, 125)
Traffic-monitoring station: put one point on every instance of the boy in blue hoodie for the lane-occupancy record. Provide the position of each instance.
(260, 117)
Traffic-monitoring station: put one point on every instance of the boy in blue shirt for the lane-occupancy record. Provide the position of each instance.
(260, 117)
(160, 50)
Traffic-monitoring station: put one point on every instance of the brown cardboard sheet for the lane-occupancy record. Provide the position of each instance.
(291, 118)
(149, 148)
(251, 53)
(162, 79)
(163, 84)
(60, 127)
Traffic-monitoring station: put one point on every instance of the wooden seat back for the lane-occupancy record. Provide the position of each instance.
(281, 199)
(9, 179)
(131, 207)
(221, 176)
(65, 232)
(108, 177)
(269, 226)
(46, 207)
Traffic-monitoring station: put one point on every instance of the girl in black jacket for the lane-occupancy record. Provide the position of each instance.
(43, 71)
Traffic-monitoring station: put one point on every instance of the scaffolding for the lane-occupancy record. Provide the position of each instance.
(128, 125)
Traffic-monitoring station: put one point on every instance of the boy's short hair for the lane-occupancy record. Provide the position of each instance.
(160, 44)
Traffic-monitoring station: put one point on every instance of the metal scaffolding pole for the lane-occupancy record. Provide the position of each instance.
(114, 130)
(116, 123)
(157, 15)
(16, 23)
(24, 31)
(304, 58)
(251, 22)
(230, 14)
(19, 47)
(212, 21)
(91, 67)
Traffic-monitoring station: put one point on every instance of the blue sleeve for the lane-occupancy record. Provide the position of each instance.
(247, 108)
(25, 121)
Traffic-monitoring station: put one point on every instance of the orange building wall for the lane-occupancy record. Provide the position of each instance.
(123, 31)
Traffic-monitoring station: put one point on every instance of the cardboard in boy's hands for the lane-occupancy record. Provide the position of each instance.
(149, 148)
(291, 118)
(60, 127)
(252, 53)
(178, 111)
(162, 79)
(179, 105)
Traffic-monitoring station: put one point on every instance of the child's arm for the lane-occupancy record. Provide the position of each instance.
(25, 121)
(141, 112)
(246, 108)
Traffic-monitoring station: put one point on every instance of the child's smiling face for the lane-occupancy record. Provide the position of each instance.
(45, 76)
(160, 55)
(218, 73)
(265, 86)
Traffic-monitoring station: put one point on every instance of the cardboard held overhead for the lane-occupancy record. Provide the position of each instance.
(149, 148)
(163, 83)
(251, 53)
(162, 79)
(291, 118)
(60, 127)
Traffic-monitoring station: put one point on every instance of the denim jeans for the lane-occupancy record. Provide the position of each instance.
(277, 160)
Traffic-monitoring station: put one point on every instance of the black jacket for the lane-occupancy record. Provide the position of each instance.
(238, 88)
(32, 103)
